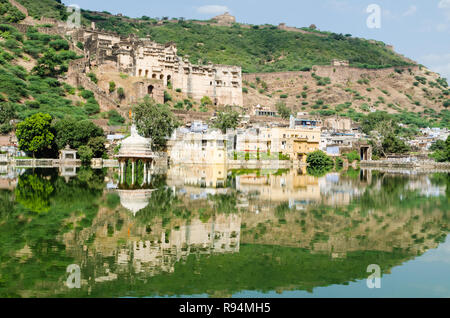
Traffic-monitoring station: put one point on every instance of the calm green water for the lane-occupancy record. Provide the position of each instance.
(207, 231)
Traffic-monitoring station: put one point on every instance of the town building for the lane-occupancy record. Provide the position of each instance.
(186, 147)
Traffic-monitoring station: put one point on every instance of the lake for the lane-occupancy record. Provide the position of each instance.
(207, 231)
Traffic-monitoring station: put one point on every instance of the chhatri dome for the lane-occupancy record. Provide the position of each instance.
(136, 146)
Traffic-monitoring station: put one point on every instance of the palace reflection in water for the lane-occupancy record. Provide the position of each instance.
(208, 230)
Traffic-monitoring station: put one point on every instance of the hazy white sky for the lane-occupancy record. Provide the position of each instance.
(419, 29)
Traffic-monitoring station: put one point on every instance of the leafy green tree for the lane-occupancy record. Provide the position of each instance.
(85, 154)
(155, 121)
(228, 120)
(49, 64)
(7, 113)
(74, 133)
(35, 134)
(352, 156)
(393, 144)
(206, 101)
(97, 145)
(441, 151)
(283, 110)
(319, 159)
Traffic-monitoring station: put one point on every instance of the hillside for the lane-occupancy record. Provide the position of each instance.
(414, 93)
(256, 49)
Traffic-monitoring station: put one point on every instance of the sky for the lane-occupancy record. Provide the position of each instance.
(418, 29)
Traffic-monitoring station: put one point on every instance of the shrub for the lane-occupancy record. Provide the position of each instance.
(112, 86)
(86, 94)
(352, 156)
(121, 92)
(319, 159)
(93, 77)
(85, 154)
(115, 119)
(206, 101)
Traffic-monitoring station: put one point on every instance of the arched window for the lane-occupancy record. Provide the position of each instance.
(140, 73)
(146, 73)
(161, 76)
(154, 76)
(150, 90)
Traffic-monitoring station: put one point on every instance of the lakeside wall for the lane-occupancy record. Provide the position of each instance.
(423, 165)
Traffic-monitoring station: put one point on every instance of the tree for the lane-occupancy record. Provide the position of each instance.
(283, 110)
(229, 120)
(97, 145)
(35, 134)
(75, 133)
(85, 154)
(49, 64)
(441, 150)
(6, 114)
(154, 121)
(206, 101)
(392, 144)
(319, 159)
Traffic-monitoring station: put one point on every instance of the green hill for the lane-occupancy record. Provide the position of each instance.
(45, 8)
(256, 49)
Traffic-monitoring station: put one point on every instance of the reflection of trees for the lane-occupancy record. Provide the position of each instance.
(319, 171)
(33, 192)
(43, 257)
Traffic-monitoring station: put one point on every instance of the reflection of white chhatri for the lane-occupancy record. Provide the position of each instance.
(136, 148)
(134, 200)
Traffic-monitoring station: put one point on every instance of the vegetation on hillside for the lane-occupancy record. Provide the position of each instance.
(45, 8)
(256, 50)
(24, 92)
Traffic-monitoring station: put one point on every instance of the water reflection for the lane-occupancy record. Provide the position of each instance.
(211, 230)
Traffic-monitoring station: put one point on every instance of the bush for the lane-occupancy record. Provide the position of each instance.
(115, 119)
(112, 86)
(97, 145)
(85, 154)
(352, 156)
(206, 101)
(167, 97)
(93, 77)
(283, 110)
(318, 159)
(121, 93)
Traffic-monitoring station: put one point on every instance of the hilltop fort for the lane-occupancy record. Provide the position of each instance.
(159, 64)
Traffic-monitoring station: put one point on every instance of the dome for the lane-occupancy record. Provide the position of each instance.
(136, 146)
